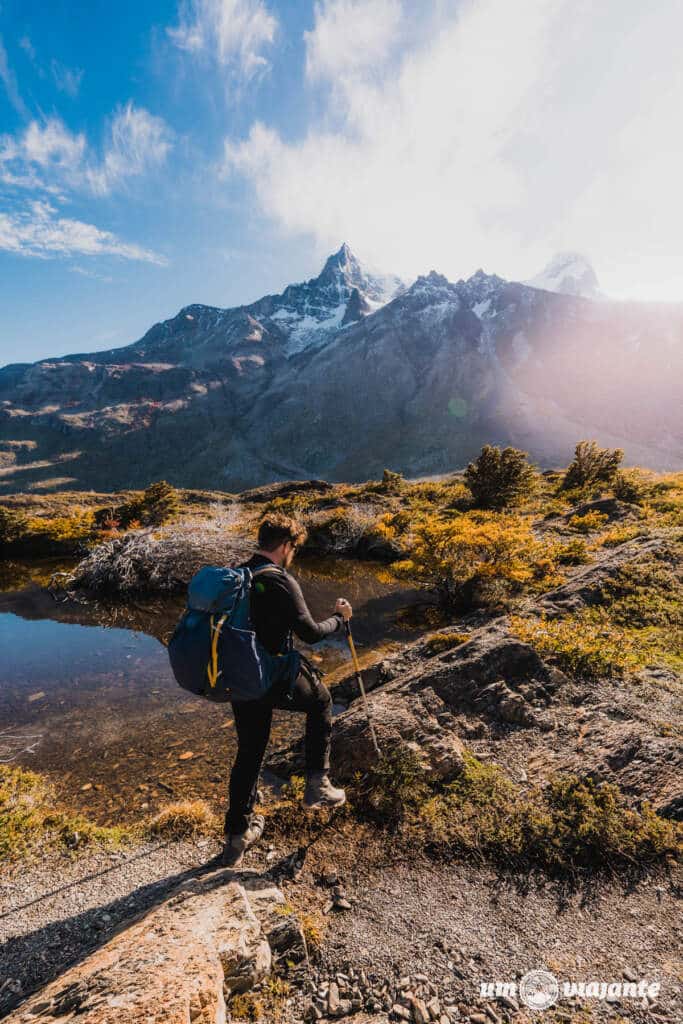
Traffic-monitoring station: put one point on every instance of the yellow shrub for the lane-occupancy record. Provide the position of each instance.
(588, 522)
(619, 535)
(585, 645)
(478, 548)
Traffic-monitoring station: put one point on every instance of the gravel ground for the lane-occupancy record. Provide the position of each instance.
(460, 925)
(454, 926)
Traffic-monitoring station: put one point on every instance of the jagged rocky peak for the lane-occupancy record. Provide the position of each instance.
(344, 292)
(569, 273)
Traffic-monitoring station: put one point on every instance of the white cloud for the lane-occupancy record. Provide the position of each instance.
(138, 142)
(51, 144)
(349, 35)
(38, 230)
(28, 48)
(9, 81)
(234, 33)
(511, 131)
(67, 80)
(48, 156)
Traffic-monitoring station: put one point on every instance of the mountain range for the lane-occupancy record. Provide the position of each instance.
(349, 373)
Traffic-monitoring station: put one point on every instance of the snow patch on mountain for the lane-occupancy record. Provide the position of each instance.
(343, 293)
(568, 273)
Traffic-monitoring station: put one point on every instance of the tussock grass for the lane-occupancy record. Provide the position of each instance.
(184, 819)
(269, 1003)
(563, 827)
(31, 822)
(570, 824)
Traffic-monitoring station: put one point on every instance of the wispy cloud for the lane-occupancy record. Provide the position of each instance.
(505, 132)
(48, 156)
(67, 80)
(39, 231)
(235, 34)
(138, 142)
(9, 81)
(28, 48)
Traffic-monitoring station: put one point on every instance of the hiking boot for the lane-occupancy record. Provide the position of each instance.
(321, 793)
(236, 846)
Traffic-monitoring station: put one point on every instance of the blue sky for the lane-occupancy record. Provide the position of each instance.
(174, 151)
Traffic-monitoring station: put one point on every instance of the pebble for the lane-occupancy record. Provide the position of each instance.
(400, 1012)
(629, 974)
(333, 998)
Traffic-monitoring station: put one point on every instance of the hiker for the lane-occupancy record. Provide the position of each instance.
(278, 610)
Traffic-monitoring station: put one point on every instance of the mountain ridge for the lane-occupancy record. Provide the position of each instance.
(360, 372)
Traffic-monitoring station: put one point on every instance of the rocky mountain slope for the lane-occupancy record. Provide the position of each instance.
(348, 373)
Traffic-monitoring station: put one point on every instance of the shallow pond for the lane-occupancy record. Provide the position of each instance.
(87, 696)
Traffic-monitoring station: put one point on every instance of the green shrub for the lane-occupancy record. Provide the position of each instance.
(498, 479)
(392, 483)
(12, 526)
(574, 552)
(570, 824)
(630, 486)
(152, 507)
(393, 787)
(592, 465)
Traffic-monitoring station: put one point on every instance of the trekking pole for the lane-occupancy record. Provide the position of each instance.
(359, 677)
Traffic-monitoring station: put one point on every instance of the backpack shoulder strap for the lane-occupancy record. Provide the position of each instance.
(270, 569)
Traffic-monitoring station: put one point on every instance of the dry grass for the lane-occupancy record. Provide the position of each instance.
(184, 819)
(32, 822)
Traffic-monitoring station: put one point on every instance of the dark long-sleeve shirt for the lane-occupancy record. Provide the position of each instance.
(278, 607)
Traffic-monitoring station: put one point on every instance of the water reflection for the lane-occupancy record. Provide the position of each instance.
(86, 693)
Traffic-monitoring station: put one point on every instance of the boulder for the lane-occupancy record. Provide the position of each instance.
(491, 676)
(178, 963)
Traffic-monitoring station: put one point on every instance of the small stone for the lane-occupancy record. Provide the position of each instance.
(400, 1012)
(509, 1002)
(420, 977)
(86, 787)
(434, 1008)
(492, 1015)
(341, 904)
(420, 1012)
(186, 755)
(629, 974)
(404, 982)
(478, 1018)
(333, 998)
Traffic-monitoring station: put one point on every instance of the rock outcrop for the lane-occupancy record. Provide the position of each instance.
(214, 937)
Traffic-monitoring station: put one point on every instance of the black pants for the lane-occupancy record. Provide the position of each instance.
(252, 722)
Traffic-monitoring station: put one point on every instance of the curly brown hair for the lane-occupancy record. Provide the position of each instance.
(275, 528)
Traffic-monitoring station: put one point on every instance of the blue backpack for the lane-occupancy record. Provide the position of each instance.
(214, 651)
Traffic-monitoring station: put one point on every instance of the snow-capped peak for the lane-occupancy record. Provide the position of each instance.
(340, 295)
(569, 273)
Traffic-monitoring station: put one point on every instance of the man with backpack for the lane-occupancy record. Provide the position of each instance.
(278, 610)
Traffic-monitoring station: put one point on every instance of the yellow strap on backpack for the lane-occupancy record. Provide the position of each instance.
(212, 669)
